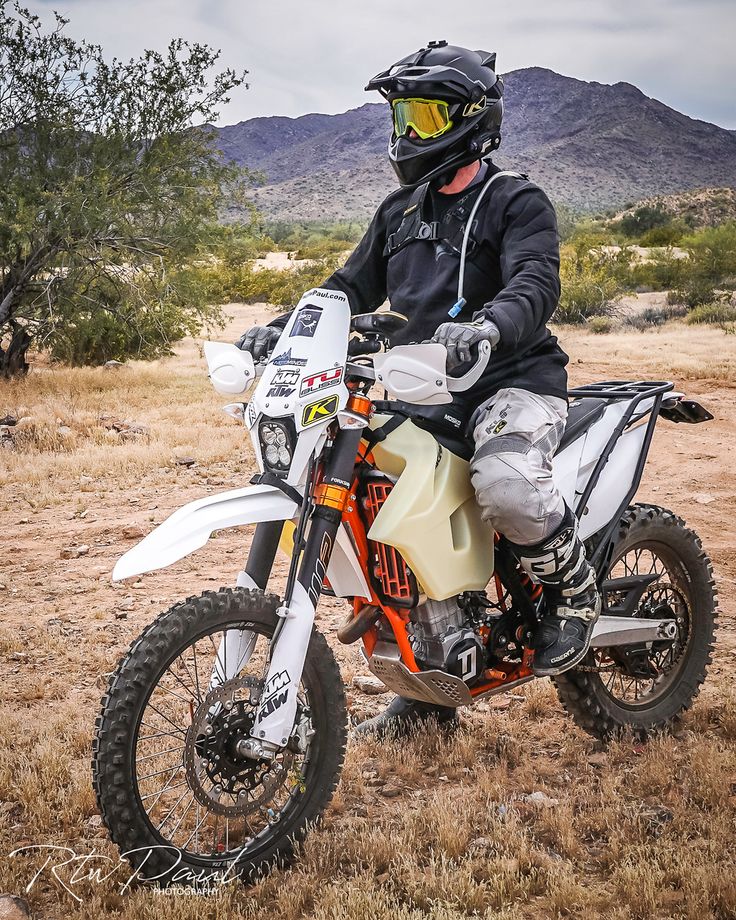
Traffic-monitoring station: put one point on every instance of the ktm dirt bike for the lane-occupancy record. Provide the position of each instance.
(223, 730)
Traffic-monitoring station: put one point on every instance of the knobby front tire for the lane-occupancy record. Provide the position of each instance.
(128, 717)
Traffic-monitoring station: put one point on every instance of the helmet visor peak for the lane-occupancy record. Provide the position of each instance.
(428, 117)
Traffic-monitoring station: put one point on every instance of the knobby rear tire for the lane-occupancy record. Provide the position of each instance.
(123, 705)
(583, 693)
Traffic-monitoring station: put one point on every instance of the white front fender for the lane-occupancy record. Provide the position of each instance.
(190, 527)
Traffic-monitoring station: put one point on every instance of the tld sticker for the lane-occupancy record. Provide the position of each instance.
(314, 382)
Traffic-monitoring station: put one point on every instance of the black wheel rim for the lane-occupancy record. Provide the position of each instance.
(670, 596)
(166, 758)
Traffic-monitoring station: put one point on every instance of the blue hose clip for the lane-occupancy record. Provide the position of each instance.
(456, 310)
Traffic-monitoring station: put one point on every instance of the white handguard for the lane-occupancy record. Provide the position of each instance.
(232, 371)
(418, 373)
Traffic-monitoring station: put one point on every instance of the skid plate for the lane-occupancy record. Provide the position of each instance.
(435, 687)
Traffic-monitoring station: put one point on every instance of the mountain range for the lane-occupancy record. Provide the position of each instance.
(591, 146)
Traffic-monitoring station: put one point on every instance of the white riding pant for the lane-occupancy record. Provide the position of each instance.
(516, 434)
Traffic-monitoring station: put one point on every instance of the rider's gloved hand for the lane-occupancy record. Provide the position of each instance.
(458, 338)
(259, 341)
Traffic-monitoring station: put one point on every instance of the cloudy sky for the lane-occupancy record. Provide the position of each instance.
(316, 55)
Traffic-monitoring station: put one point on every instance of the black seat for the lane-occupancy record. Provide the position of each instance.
(580, 416)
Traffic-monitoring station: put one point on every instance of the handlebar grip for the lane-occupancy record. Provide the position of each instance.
(469, 379)
(363, 347)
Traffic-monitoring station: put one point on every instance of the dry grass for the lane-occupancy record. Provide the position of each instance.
(630, 831)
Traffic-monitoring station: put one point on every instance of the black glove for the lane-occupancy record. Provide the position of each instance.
(459, 337)
(259, 341)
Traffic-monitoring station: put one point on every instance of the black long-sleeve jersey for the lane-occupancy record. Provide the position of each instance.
(511, 277)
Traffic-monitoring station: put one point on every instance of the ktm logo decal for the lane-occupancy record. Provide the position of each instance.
(317, 411)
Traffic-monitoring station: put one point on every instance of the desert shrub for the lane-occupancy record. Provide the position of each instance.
(652, 317)
(668, 234)
(695, 292)
(713, 254)
(643, 219)
(716, 313)
(221, 282)
(600, 325)
(588, 287)
(661, 272)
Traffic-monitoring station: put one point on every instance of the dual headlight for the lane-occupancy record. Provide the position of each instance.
(277, 438)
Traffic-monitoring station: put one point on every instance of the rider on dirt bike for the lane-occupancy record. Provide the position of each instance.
(447, 109)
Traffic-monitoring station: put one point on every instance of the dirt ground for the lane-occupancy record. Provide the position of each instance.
(434, 828)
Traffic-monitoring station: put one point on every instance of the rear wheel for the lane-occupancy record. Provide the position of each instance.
(176, 796)
(646, 688)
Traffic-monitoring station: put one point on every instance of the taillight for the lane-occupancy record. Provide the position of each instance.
(392, 578)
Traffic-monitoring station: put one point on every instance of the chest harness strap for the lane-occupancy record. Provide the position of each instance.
(452, 229)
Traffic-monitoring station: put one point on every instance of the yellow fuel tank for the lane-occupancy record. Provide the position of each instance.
(431, 515)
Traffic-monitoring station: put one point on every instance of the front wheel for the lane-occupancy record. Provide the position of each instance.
(645, 688)
(179, 801)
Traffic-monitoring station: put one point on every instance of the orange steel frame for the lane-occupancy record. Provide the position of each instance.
(496, 678)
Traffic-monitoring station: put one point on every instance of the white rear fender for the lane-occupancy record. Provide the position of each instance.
(189, 528)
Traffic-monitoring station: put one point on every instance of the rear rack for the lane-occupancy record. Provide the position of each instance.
(622, 389)
(637, 391)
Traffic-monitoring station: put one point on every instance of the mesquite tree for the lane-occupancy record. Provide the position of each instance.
(107, 192)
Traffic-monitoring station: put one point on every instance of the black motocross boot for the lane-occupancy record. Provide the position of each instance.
(402, 717)
(572, 599)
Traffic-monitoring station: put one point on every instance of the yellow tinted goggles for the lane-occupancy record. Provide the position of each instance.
(428, 117)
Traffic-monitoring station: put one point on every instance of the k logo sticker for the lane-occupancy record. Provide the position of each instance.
(320, 410)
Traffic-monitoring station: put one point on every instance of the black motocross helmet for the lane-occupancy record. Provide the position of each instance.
(458, 97)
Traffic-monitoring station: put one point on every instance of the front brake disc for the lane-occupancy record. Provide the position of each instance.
(223, 782)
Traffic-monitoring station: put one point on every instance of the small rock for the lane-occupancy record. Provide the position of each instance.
(14, 908)
(112, 365)
(121, 615)
(390, 791)
(127, 603)
(371, 686)
(480, 845)
(65, 431)
(85, 482)
(539, 800)
(656, 818)
(599, 759)
(499, 702)
(184, 461)
(704, 498)
(94, 821)
(132, 432)
(74, 552)
(8, 420)
(133, 532)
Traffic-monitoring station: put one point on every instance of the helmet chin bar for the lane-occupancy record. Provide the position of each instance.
(444, 173)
